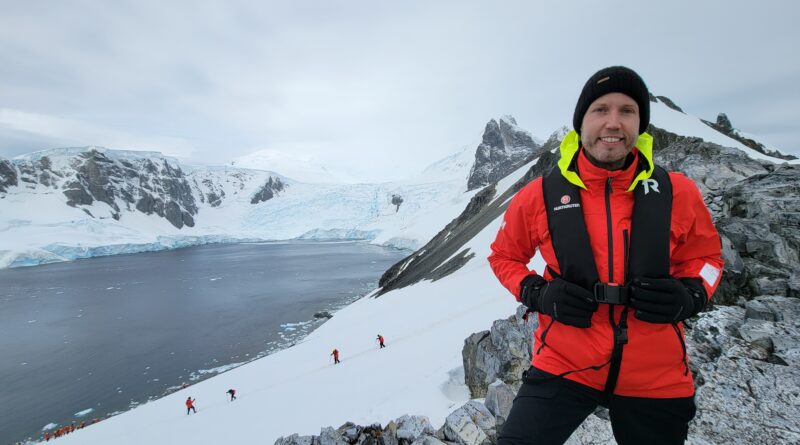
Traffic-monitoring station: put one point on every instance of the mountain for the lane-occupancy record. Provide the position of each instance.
(505, 147)
(744, 352)
(63, 204)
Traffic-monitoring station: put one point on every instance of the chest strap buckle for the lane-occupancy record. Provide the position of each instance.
(611, 293)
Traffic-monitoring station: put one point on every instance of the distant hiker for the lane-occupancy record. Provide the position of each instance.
(380, 340)
(190, 406)
(232, 392)
(335, 355)
(46, 436)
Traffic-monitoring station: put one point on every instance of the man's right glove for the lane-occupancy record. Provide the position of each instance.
(566, 302)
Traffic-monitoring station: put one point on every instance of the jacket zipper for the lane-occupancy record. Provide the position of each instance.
(610, 231)
(626, 248)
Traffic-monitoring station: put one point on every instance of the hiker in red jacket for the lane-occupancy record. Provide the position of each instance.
(232, 393)
(380, 340)
(631, 252)
(335, 355)
(190, 405)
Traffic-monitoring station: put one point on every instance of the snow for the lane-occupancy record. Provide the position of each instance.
(299, 390)
(302, 168)
(36, 227)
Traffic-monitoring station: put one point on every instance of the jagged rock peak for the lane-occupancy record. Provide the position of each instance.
(668, 102)
(268, 190)
(724, 122)
(504, 148)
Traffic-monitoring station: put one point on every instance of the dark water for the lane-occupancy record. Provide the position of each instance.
(108, 333)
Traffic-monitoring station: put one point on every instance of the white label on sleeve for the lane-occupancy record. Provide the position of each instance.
(709, 273)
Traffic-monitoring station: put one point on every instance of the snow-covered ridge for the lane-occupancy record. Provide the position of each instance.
(71, 203)
(93, 200)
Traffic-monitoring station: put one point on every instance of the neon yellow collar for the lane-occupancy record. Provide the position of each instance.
(572, 143)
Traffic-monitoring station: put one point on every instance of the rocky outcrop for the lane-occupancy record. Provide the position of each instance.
(404, 431)
(150, 184)
(713, 167)
(760, 225)
(396, 201)
(268, 190)
(8, 175)
(500, 354)
(668, 102)
(504, 148)
(746, 362)
(724, 126)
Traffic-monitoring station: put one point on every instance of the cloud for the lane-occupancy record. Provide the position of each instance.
(68, 132)
(381, 89)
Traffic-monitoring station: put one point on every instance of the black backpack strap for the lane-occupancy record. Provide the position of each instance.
(568, 230)
(650, 227)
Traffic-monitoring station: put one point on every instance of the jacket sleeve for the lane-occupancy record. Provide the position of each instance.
(697, 251)
(516, 240)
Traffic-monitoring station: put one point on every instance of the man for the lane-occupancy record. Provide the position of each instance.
(335, 355)
(380, 341)
(190, 405)
(232, 393)
(631, 252)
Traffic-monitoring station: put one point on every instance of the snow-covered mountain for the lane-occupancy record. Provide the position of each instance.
(431, 301)
(446, 291)
(72, 203)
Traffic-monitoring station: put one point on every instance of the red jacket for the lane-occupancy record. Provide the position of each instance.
(653, 360)
(189, 403)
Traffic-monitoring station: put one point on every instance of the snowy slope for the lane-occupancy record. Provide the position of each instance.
(300, 390)
(299, 168)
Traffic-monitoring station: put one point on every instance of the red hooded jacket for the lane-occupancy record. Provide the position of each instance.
(653, 359)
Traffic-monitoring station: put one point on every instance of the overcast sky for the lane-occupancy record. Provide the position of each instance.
(376, 89)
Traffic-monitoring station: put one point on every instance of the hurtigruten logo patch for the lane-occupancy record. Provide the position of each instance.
(575, 205)
(565, 199)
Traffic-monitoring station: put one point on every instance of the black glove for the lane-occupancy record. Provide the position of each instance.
(566, 302)
(667, 300)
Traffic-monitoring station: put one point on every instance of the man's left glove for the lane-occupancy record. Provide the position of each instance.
(667, 300)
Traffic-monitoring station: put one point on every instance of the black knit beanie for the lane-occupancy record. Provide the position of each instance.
(614, 79)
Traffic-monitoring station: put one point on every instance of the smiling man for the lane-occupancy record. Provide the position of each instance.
(631, 252)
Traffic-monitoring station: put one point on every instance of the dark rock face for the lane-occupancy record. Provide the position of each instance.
(668, 102)
(149, 185)
(8, 176)
(501, 353)
(724, 123)
(761, 221)
(396, 201)
(268, 190)
(505, 148)
(713, 167)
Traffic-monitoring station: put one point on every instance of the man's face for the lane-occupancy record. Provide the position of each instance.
(609, 130)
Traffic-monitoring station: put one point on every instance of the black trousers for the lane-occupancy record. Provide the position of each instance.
(547, 410)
